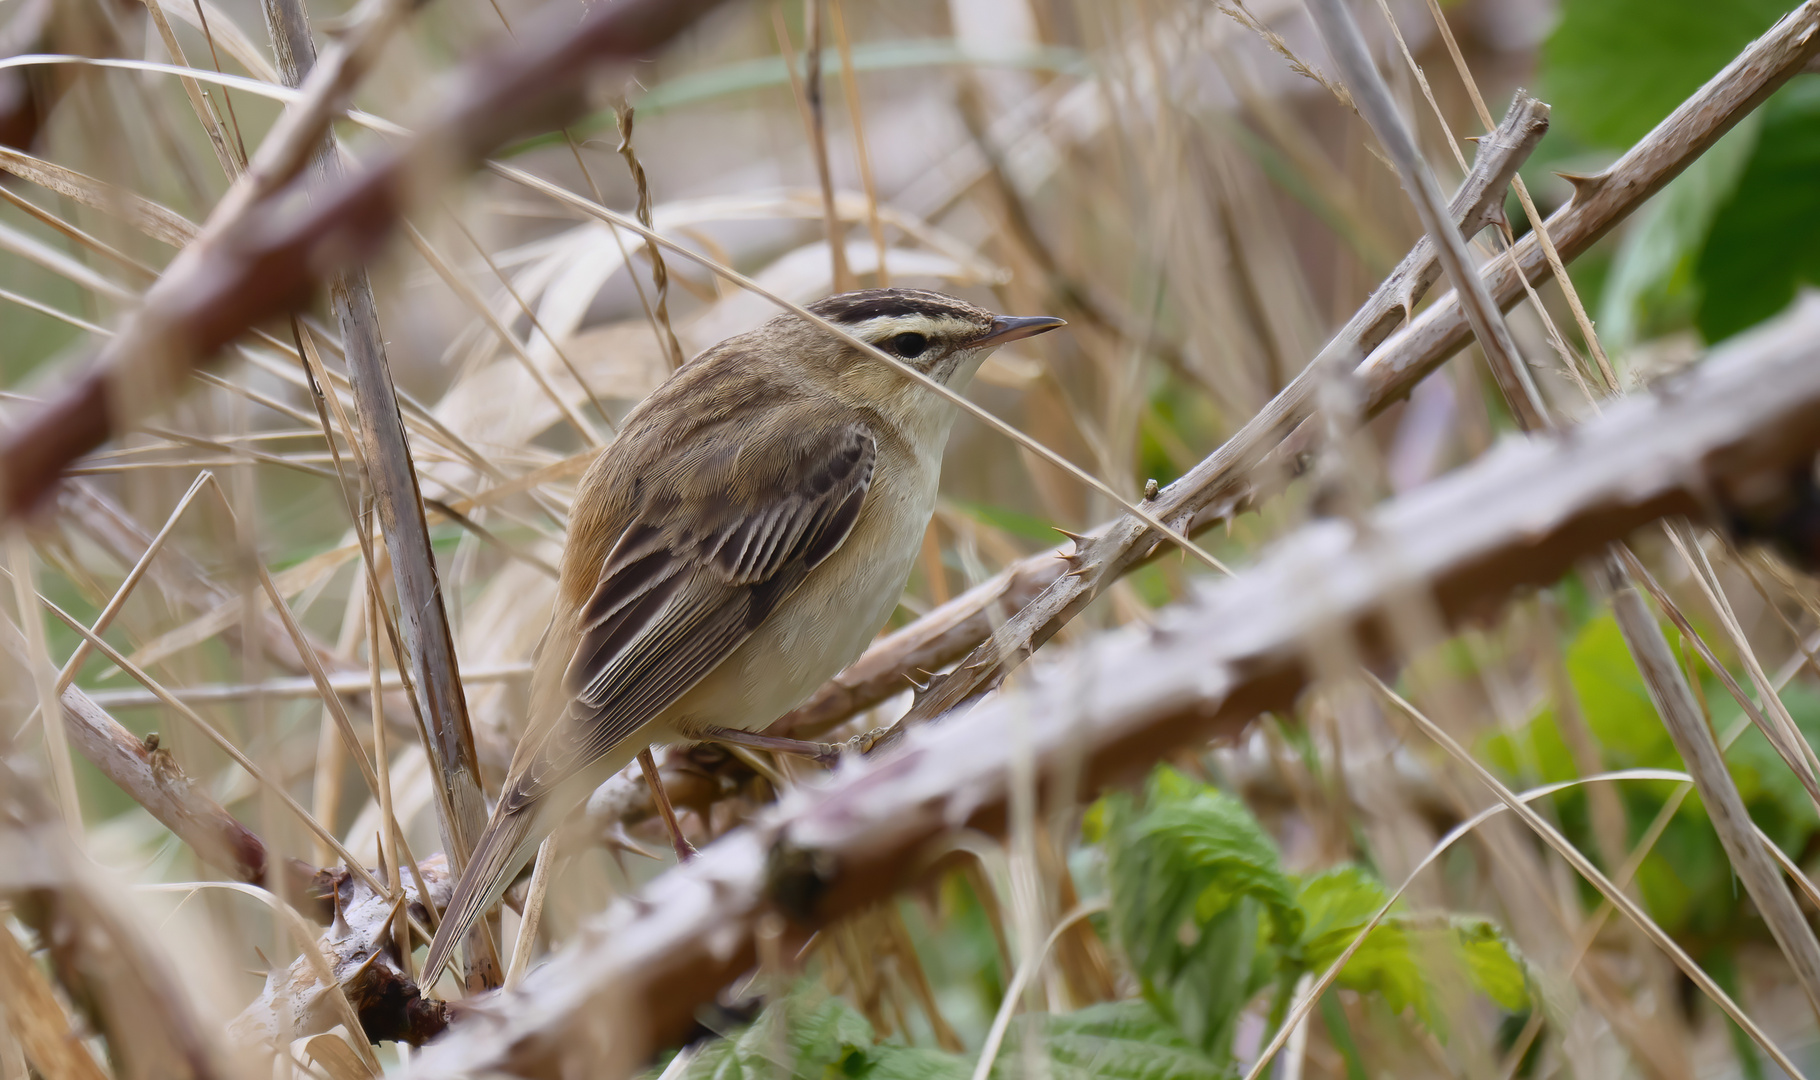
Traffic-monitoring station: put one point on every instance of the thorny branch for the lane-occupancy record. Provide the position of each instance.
(1728, 437)
(265, 249)
(365, 963)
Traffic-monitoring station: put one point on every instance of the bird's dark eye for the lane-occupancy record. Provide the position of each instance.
(909, 345)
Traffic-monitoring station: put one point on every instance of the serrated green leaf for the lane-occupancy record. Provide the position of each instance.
(1121, 1040)
(1198, 902)
(806, 1039)
(1492, 963)
(1393, 960)
(1336, 904)
(888, 1061)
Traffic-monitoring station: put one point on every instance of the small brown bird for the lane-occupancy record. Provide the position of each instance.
(741, 540)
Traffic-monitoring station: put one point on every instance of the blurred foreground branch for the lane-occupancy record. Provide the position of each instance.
(1732, 434)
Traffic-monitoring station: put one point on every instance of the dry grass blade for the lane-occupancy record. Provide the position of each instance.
(533, 913)
(1688, 545)
(156, 221)
(1014, 991)
(452, 278)
(36, 658)
(660, 271)
(1789, 749)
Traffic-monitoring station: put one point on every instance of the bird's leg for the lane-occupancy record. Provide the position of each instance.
(824, 753)
(684, 850)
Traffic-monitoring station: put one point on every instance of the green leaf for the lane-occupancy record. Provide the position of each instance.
(1614, 700)
(1198, 902)
(1654, 287)
(888, 1061)
(1613, 69)
(1765, 241)
(745, 76)
(1121, 1040)
(1491, 961)
(1393, 961)
(804, 1040)
(1336, 905)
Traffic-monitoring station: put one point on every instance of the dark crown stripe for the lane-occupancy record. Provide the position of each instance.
(858, 307)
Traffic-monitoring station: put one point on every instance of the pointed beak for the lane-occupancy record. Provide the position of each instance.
(1017, 327)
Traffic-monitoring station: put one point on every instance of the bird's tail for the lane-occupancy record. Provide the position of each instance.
(501, 853)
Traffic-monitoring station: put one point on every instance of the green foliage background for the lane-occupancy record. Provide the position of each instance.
(1730, 241)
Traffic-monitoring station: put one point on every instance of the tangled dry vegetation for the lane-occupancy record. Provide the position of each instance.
(1474, 737)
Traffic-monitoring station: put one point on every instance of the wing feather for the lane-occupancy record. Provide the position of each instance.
(687, 584)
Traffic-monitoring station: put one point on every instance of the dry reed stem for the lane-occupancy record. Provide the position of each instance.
(1555, 262)
(1807, 767)
(1778, 738)
(1569, 361)
(1519, 516)
(1666, 682)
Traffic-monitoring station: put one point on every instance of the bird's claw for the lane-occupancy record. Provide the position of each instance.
(830, 753)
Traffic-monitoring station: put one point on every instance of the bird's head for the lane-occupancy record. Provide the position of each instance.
(941, 336)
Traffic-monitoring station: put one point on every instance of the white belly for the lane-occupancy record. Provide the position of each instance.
(826, 623)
